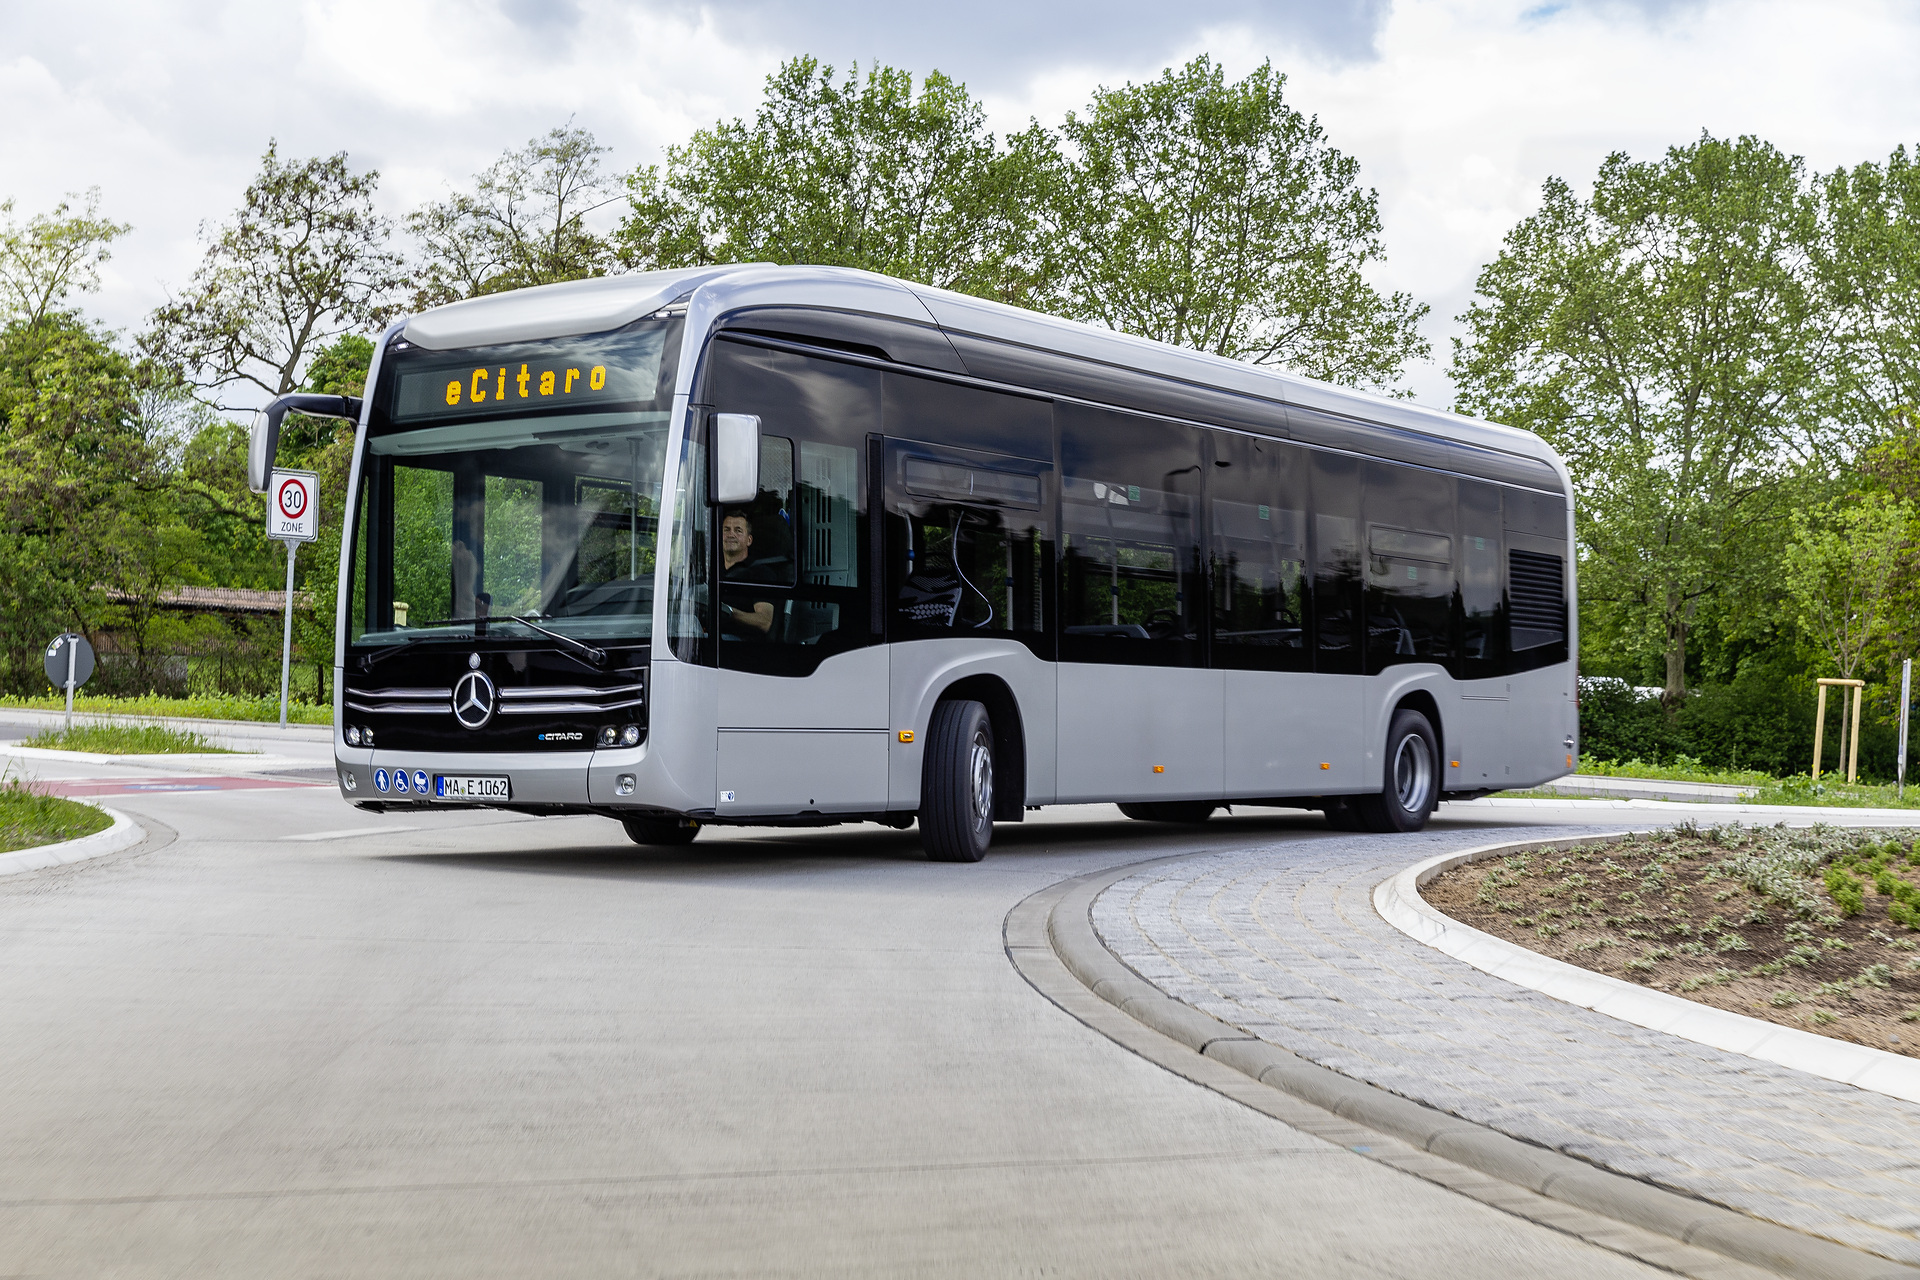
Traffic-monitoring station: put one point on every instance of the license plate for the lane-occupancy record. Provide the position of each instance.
(462, 788)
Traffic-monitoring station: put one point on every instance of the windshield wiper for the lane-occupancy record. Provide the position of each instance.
(598, 657)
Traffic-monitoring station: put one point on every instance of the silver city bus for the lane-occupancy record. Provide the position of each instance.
(799, 546)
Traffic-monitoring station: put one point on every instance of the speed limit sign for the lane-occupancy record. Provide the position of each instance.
(293, 506)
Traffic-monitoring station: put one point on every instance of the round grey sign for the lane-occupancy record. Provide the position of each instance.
(57, 660)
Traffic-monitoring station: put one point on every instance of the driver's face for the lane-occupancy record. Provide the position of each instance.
(734, 536)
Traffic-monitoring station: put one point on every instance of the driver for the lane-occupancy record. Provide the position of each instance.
(741, 616)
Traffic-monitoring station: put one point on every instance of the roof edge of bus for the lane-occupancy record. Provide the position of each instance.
(565, 310)
(980, 317)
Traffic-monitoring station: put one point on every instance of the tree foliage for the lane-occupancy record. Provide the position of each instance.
(305, 259)
(1871, 267)
(524, 223)
(1214, 215)
(853, 172)
(1842, 570)
(1666, 335)
(52, 256)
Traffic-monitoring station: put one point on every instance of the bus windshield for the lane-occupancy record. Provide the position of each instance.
(513, 483)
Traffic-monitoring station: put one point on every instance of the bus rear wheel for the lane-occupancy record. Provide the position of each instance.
(1187, 812)
(956, 784)
(667, 829)
(1412, 783)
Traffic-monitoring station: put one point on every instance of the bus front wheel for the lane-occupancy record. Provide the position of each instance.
(648, 828)
(1412, 781)
(956, 784)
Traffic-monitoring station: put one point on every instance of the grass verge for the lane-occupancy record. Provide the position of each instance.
(29, 818)
(1683, 769)
(212, 706)
(123, 740)
(1816, 928)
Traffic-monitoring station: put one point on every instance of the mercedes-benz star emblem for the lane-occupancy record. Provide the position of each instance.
(473, 700)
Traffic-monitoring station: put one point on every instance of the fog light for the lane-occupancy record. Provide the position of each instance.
(366, 737)
(348, 781)
(623, 785)
(630, 735)
(609, 735)
(353, 735)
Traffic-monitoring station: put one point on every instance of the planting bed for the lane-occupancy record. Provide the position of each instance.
(1812, 927)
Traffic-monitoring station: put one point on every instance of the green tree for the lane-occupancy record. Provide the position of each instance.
(78, 520)
(52, 256)
(1842, 568)
(523, 224)
(852, 172)
(1871, 267)
(1214, 215)
(304, 260)
(1666, 336)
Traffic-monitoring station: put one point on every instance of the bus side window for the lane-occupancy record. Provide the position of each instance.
(1257, 499)
(1132, 585)
(801, 591)
(1482, 601)
(1336, 563)
(1536, 537)
(967, 535)
(1409, 571)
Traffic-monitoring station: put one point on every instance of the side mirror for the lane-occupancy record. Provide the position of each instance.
(263, 442)
(736, 457)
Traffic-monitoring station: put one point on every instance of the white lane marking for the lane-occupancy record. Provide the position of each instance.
(350, 831)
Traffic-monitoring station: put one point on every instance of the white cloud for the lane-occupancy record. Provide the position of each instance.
(1457, 109)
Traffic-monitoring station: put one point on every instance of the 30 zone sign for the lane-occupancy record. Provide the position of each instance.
(293, 506)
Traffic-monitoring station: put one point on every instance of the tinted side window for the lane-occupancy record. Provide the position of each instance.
(1483, 611)
(1536, 544)
(1336, 562)
(1257, 500)
(968, 542)
(1130, 539)
(794, 575)
(968, 417)
(1410, 605)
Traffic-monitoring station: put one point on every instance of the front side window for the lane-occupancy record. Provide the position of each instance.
(513, 483)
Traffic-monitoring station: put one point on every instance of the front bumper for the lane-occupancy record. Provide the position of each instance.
(558, 781)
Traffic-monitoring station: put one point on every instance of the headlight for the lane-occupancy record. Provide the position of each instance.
(609, 735)
(630, 735)
(353, 735)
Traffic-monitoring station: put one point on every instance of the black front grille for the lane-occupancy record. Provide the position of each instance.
(1537, 599)
(543, 699)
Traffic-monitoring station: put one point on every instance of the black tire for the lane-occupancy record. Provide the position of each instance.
(956, 784)
(1185, 812)
(664, 829)
(1410, 787)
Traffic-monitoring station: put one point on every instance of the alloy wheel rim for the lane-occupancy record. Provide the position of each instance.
(1413, 773)
(980, 770)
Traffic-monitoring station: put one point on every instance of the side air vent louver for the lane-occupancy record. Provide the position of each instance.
(1538, 599)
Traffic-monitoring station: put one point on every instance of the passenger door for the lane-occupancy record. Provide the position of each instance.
(802, 685)
(1140, 713)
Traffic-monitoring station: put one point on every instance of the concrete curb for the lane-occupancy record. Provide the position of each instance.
(123, 834)
(1058, 922)
(1399, 902)
(1743, 812)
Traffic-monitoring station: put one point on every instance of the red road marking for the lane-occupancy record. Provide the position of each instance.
(142, 786)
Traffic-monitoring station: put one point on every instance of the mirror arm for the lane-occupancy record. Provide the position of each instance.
(314, 406)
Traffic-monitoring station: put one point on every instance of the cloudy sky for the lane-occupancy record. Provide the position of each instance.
(1456, 109)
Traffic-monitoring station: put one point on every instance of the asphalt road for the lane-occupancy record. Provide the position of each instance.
(485, 1045)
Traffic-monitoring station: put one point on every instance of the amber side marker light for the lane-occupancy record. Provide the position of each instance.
(1456, 764)
(906, 735)
(1159, 768)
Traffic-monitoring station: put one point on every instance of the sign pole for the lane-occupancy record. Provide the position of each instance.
(73, 651)
(286, 637)
(1906, 700)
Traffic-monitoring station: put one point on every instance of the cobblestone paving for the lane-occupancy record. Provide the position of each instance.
(1284, 943)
